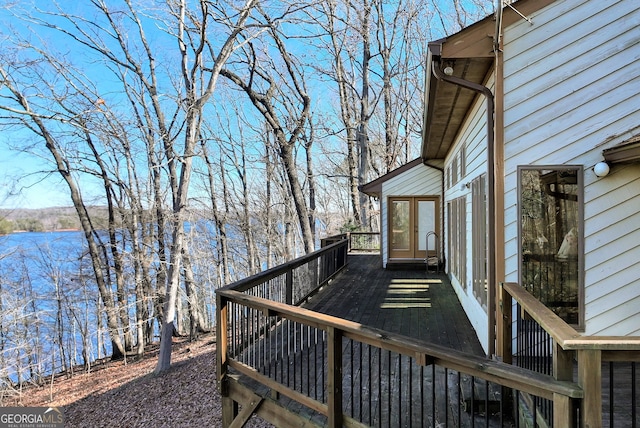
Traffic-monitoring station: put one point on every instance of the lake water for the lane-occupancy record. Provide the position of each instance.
(46, 304)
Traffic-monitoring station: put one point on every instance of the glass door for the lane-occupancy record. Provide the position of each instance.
(410, 220)
(426, 214)
(400, 228)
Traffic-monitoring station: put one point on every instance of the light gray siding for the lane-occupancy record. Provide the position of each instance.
(420, 180)
(473, 136)
(572, 89)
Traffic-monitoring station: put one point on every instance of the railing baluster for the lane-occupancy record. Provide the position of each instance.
(389, 399)
(360, 374)
(410, 386)
(634, 403)
(486, 403)
(399, 390)
(473, 401)
(380, 386)
(446, 396)
(421, 390)
(334, 381)
(611, 392)
(369, 393)
(433, 395)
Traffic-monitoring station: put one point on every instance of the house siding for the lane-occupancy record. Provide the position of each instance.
(420, 180)
(473, 136)
(572, 89)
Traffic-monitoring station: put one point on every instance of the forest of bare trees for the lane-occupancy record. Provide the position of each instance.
(222, 137)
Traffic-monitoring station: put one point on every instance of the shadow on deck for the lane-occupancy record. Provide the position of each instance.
(412, 302)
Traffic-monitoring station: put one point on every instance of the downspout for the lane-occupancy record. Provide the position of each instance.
(491, 244)
(442, 207)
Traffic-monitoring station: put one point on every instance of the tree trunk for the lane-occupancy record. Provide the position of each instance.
(362, 132)
(219, 218)
(198, 324)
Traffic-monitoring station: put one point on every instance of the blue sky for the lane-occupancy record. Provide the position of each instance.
(35, 188)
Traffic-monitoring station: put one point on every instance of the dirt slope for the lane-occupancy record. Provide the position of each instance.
(119, 394)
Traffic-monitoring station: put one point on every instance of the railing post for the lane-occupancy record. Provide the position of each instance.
(334, 377)
(590, 379)
(229, 407)
(504, 326)
(562, 411)
(289, 287)
(562, 363)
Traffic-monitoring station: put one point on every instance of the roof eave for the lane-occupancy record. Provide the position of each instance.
(626, 152)
(374, 188)
(470, 47)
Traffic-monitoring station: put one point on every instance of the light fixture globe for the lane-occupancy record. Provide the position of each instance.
(601, 169)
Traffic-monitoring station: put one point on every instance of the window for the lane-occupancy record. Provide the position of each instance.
(479, 239)
(455, 175)
(550, 232)
(457, 238)
(448, 177)
(463, 161)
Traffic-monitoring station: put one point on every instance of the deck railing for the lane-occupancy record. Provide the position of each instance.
(365, 376)
(371, 377)
(604, 367)
(358, 241)
(294, 281)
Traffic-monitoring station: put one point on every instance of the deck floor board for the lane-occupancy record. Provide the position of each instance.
(412, 302)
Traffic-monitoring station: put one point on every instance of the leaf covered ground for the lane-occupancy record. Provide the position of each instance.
(127, 394)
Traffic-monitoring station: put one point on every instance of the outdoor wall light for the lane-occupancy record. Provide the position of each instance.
(601, 169)
(448, 70)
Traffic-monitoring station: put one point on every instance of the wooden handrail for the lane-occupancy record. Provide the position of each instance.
(564, 335)
(252, 281)
(548, 320)
(500, 373)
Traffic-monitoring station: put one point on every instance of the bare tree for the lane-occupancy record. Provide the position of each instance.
(286, 120)
(123, 45)
(200, 81)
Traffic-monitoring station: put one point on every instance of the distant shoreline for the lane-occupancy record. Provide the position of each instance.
(40, 231)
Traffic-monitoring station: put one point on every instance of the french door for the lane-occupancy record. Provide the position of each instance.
(411, 218)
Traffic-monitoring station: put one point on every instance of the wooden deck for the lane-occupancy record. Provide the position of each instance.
(381, 388)
(411, 302)
(393, 348)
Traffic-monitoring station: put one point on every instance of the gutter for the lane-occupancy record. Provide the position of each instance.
(435, 51)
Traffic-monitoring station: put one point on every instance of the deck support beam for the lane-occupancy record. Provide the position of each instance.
(247, 411)
(229, 411)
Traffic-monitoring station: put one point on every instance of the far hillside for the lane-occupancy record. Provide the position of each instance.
(44, 219)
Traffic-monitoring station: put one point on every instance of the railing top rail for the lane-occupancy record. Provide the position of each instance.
(548, 320)
(565, 335)
(259, 278)
(424, 352)
(334, 237)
